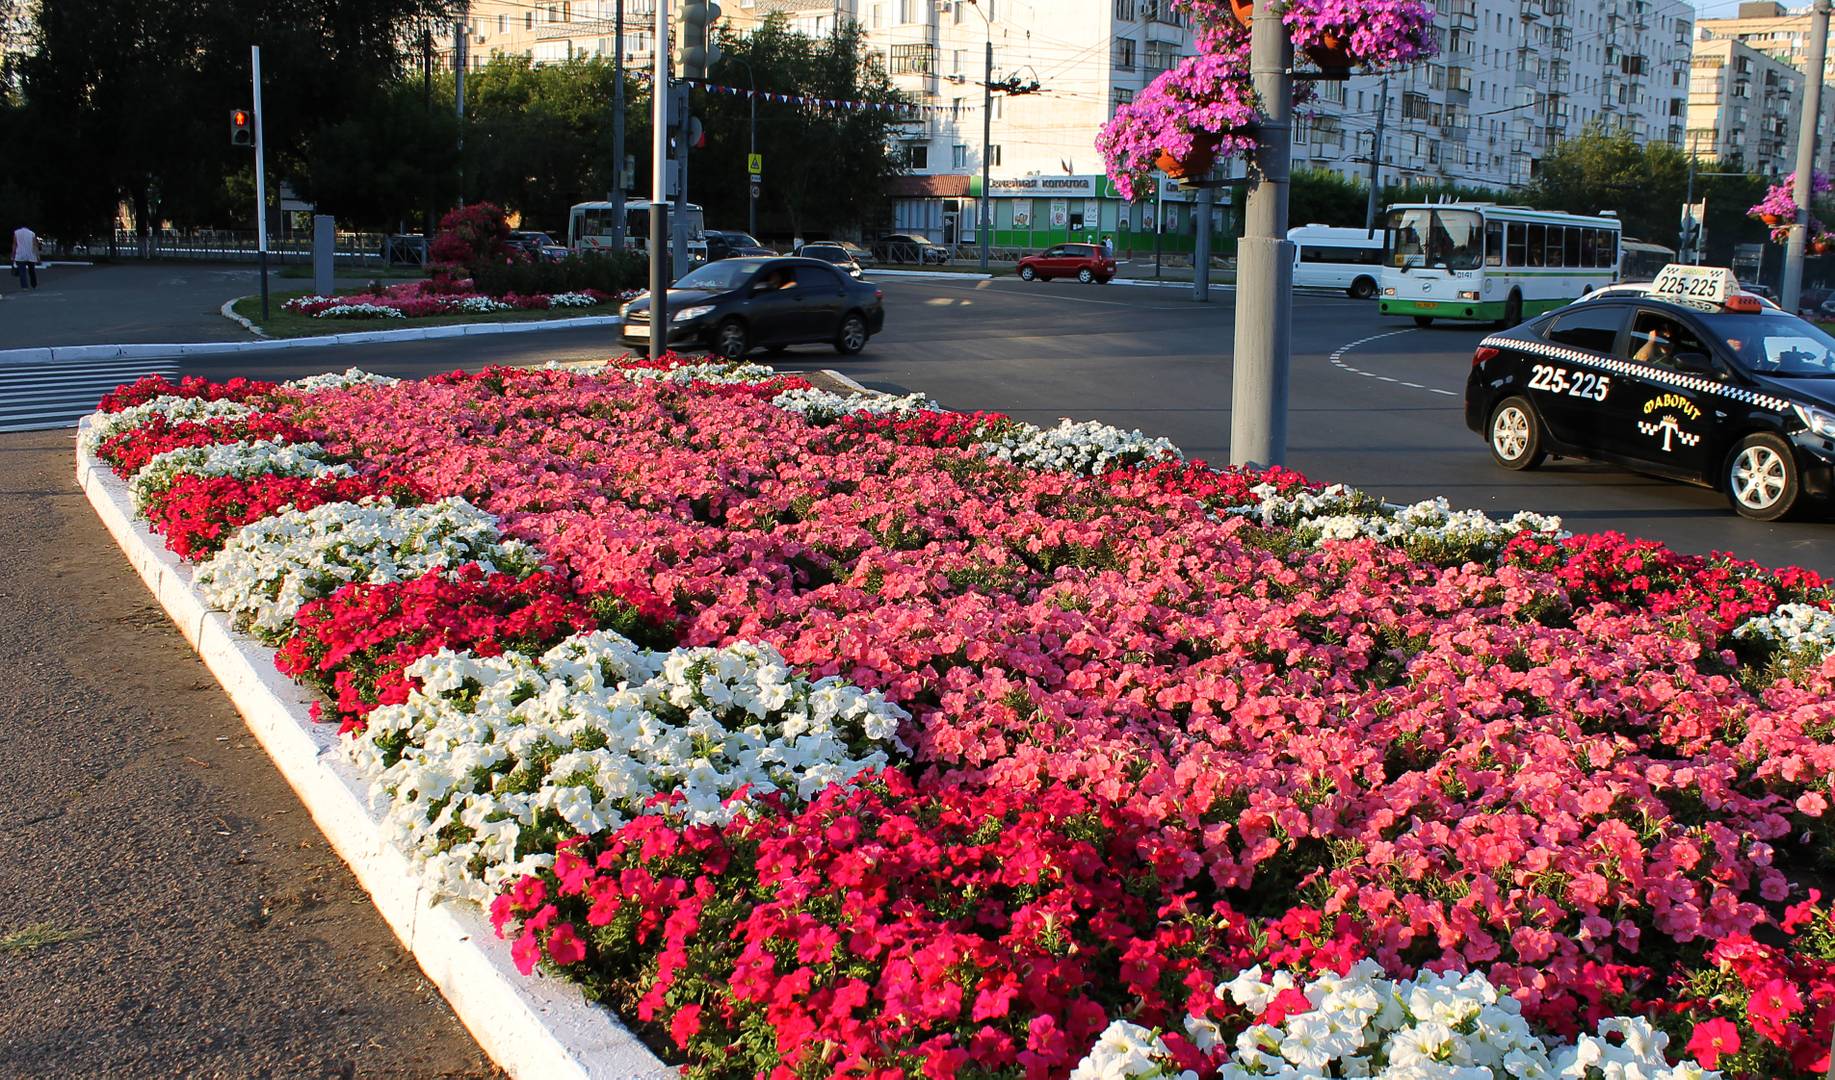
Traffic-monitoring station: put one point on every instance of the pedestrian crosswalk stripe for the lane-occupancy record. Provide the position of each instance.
(56, 395)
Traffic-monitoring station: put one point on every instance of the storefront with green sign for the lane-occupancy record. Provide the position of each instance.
(1039, 211)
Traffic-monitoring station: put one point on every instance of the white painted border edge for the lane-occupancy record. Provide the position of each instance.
(531, 1027)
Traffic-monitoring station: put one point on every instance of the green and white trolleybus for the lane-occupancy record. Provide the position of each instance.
(1488, 263)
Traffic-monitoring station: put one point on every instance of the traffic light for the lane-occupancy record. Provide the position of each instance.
(700, 53)
(241, 127)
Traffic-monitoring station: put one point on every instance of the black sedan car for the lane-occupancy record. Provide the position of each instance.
(728, 244)
(835, 255)
(909, 248)
(733, 306)
(1725, 392)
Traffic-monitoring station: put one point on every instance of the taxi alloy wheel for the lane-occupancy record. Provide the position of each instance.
(1516, 438)
(1027, 273)
(1762, 478)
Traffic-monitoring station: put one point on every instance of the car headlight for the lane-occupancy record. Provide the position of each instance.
(688, 313)
(1819, 421)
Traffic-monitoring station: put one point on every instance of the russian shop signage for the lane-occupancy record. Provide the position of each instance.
(1055, 187)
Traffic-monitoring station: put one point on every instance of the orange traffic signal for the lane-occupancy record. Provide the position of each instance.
(241, 128)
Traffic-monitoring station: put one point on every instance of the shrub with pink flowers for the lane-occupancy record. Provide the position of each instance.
(1161, 727)
(422, 299)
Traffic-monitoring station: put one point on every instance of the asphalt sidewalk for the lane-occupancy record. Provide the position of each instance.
(167, 906)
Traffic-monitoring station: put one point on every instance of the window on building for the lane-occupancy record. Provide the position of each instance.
(1124, 54)
(918, 59)
(917, 155)
(1124, 10)
(993, 155)
(528, 20)
(503, 24)
(1119, 96)
(958, 156)
(1160, 56)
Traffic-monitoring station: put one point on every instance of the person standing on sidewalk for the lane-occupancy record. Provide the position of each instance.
(25, 256)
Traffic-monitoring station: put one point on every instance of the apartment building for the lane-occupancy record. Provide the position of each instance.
(1772, 29)
(1744, 108)
(1513, 78)
(550, 31)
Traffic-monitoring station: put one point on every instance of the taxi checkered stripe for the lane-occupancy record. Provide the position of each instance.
(1644, 371)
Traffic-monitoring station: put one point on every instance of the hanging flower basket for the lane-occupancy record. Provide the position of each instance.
(1244, 10)
(1820, 245)
(1194, 162)
(1772, 219)
(1332, 53)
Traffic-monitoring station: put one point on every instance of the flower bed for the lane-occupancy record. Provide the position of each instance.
(1131, 726)
(420, 299)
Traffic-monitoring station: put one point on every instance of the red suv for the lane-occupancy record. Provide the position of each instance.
(1085, 262)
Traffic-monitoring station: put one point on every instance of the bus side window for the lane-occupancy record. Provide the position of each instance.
(1608, 248)
(1519, 244)
(1574, 233)
(1556, 245)
(1589, 247)
(1538, 245)
(1494, 243)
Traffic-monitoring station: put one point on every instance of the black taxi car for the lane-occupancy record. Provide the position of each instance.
(1693, 380)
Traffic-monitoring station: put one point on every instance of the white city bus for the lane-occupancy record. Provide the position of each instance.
(1329, 258)
(1488, 263)
(591, 226)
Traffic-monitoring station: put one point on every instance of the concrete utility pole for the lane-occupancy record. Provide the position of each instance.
(459, 43)
(1201, 255)
(1806, 153)
(1376, 155)
(261, 181)
(987, 137)
(659, 184)
(616, 198)
(679, 238)
(1264, 261)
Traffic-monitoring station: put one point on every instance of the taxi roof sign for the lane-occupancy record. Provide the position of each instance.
(1702, 284)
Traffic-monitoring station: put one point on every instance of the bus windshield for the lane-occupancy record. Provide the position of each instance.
(1441, 239)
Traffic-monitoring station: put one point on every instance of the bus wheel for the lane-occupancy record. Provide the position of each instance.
(1362, 289)
(1513, 311)
(1423, 320)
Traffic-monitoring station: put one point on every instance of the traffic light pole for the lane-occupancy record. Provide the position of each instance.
(1376, 156)
(987, 136)
(1806, 154)
(261, 182)
(1264, 268)
(679, 240)
(659, 184)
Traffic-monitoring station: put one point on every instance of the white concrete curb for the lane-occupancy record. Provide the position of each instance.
(845, 381)
(67, 353)
(531, 1027)
(228, 311)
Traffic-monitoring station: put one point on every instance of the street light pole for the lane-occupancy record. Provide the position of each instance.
(1264, 280)
(987, 138)
(751, 216)
(261, 179)
(1806, 153)
(617, 195)
(1376, 154)
(659, 184)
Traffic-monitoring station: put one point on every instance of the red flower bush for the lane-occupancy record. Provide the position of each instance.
(198, 514)
(885, 931)
(354, 645)
(127, 451)
(467, 236)
(148, 387)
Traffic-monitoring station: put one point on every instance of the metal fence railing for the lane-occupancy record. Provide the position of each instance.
(355, 249)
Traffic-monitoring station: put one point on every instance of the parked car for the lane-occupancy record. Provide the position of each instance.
(729, 244)
(736, 305)
(835, 254)
(861, 255)
(1085, 262)
(537, 245)
(909, 248)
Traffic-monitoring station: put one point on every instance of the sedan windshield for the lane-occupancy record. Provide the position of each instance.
(716, 277)
(832, 254)
(1439, 239)
(1778, 345)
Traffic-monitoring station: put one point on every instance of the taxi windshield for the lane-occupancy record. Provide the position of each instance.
(1440, 239)
(1778, 345)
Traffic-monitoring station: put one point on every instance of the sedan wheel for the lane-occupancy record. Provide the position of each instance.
(1762, 478)
(1085, 276)
(732, 342)
(853, 336)
(1516, 439)
(1027, 273)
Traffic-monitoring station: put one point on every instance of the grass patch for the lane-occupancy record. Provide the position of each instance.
(37, 936)
(286, 324)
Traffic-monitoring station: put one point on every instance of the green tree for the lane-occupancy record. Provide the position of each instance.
(387, 163)
(129, 99)
(826, 170)
(1611, 170)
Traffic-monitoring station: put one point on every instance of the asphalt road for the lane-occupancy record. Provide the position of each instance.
(1374, 402)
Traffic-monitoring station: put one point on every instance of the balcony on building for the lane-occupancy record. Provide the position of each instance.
(1463, 16)
(1458, 85)
(1532, 10)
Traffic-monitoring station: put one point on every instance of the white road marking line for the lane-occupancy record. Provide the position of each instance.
(1337, 361)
